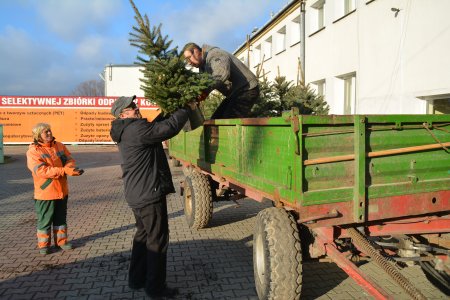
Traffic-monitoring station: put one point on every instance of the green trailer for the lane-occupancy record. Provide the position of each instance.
(361, 186)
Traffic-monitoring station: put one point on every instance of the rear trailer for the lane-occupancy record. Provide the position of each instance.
(343, 187)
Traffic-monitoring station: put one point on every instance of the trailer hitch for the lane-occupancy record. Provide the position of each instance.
(364, 245)
(402, 243)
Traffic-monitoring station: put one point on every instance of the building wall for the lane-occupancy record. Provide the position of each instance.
(282, 60)
(381, 56)
(122, 80)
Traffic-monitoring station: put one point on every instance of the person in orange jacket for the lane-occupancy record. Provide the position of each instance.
(49, 162)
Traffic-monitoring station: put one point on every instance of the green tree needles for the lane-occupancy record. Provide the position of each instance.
(282, 95)
(167, 81)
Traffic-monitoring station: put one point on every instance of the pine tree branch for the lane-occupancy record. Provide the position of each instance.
(166, 80)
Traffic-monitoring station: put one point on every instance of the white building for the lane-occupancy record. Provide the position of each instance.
(365, 57)
(122, 80)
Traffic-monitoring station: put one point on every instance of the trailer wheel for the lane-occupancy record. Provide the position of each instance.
(277, 256)
(197, 200)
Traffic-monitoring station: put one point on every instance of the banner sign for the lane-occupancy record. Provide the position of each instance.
(74, 120)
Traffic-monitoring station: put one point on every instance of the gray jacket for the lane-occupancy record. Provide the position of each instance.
(230, 74)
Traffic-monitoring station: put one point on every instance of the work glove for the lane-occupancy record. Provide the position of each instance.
(202, 96)
(73, 171)
(78, 172)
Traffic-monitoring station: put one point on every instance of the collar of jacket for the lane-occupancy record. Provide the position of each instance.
(205, 50)
(46, 144)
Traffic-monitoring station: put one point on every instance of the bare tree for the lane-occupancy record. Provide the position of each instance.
(90, 88)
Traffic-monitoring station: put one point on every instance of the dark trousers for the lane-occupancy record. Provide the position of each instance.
(150, 243)
(51, 212)
(238, 105)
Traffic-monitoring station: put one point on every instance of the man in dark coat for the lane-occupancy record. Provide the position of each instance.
(147, 181)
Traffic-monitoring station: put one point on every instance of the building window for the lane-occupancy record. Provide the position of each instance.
(349, 6)
(257, 55)
(267, 50)
(349, 94)
(344, 7)
(317, 16)
(295, 30)
(244, 59)
(280, 43)
(346, 92)
(319, 86)
(437, 104)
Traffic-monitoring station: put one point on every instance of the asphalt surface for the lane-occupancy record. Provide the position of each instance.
(212, 263)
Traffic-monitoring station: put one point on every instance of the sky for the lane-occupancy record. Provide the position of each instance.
(49, 47)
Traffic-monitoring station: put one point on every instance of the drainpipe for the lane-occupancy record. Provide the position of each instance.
(302, 39)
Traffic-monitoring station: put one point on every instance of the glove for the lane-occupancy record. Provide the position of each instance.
(73, 171)
(202, 96)
(78, 172)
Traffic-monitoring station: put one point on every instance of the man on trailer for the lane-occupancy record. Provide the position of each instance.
(232, 78)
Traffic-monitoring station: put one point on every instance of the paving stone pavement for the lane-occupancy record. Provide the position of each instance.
(213, 263)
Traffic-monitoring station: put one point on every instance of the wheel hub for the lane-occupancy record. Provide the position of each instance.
(259, 252)
(188, 200)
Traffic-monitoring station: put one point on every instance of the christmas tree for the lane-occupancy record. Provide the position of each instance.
(167, 81)
(281, 95)
(308, 102)
(269, 104)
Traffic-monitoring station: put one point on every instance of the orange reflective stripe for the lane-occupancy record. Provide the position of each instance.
(38, 166)
(43, 234)
(61, 241)
(43, 238)
(60, 234)
(60, 229)
(44, 245)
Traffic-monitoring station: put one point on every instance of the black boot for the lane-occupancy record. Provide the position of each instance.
(165, 293)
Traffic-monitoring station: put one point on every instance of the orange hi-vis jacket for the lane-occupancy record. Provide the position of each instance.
(46, 162)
